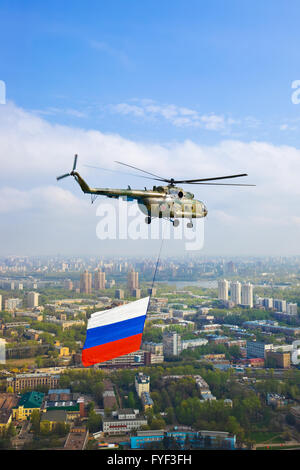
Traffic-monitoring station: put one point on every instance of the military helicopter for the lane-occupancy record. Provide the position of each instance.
(169, 202)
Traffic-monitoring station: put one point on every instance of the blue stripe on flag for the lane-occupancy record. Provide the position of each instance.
(114, 331)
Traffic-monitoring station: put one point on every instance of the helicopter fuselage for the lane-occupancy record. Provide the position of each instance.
(162, 201)
(173, 202)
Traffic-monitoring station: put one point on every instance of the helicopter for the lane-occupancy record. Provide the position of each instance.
(169, 201)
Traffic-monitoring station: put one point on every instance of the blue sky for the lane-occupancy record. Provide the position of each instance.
(155, 75)
(231, 58)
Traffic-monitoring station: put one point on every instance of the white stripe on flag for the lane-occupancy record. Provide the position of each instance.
(118, 314)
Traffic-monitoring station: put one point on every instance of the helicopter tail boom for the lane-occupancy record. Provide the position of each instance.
(84, 186)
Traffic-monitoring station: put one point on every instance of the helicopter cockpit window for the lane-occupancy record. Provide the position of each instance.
(174, 191)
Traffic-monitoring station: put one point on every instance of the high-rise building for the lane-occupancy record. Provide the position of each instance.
(223, 286)
(142, 383)
(236, 292)
(267, 303)
(154, 348)
(32, 299)
(86, 282)
(119, 294)
(292, 309)
(152, 291)
(133, 280)
(247, 295)
(136, 293)
(12, 304)
(279, 305)
(279, 359)
(171, 344)
(257, 349)
(0, 302)
(99, 280)
(68, 284)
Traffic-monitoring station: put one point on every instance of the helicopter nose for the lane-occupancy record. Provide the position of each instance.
(205, 211)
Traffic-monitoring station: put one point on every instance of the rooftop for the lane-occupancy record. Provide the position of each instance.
(31, 400)
(58, 416)
(8, 401)
(141, 378)
(58, 391)
(4, 416)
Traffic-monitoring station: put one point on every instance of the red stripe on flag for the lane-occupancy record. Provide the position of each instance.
(108, 351)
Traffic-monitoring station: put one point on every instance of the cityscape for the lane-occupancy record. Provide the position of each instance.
(150, 227)
(217, 369)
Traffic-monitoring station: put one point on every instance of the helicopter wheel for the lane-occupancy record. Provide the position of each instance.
(175, 223)
(148, 220)
(189, 225)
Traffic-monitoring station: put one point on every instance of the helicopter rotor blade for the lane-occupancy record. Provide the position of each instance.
(75, 162)
(119, 172)
(173, 181)
(139, 169)
(62, 176)
(210, 179)
(225, 184)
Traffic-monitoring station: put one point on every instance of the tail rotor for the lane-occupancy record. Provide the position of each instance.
(72, 172)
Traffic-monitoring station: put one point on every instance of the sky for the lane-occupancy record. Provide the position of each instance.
(180, 89)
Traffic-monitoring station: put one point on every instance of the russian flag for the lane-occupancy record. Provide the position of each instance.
(114, 332)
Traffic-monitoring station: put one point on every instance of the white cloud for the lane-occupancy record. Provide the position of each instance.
(48, 198)
(176, 115)
(51, 111)
(125, 108)
(33, 152)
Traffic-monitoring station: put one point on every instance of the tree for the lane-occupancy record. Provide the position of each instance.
(11, 431)
(131, 400)
(45, 428)
(90, 408)
(235, 352)
(62, 429)
(171, 417)
(35, 421)
(39, 361)
(94, 422)
(157, 423)
(234, 427)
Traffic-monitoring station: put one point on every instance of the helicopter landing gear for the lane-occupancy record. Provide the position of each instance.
(189, 224)
(175, 222)
(148, 219)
